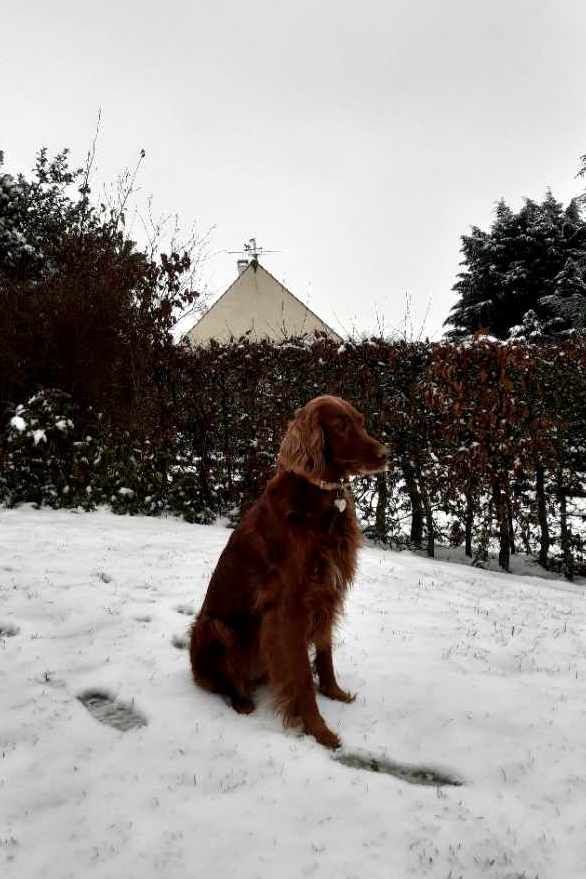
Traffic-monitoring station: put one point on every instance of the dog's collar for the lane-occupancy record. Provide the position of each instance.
(340, 485)
(329, 486)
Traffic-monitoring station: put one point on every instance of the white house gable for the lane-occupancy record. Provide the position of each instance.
(257, 303)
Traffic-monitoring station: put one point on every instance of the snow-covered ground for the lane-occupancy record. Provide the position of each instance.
(477, 673)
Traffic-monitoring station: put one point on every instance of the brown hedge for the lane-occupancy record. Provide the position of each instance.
(488, 440)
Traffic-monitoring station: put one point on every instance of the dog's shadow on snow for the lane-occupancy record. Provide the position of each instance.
(411, 773)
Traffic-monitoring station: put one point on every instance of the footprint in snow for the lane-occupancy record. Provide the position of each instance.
(181, 641)
(186, 609)
(109, 710)
(8, 630)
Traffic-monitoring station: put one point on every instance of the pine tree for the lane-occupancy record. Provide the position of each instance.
(526, 277)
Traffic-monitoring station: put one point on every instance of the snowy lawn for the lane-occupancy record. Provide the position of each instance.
(478, 674)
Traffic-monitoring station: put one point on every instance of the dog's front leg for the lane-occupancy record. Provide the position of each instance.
(324, 666)
(290, 673)
(306, 703)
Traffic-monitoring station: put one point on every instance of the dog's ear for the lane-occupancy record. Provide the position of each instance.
(302, 448)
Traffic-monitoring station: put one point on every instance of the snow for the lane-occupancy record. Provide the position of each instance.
(475, 673)
(18, 423)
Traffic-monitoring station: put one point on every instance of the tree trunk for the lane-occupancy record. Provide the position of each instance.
(483, 537)
(565, 535)
(545, 540)
(503, 524)
(429, 524)
(412, 488)
(380, 522)
(510, 524)
(469, 523)
(525, 537)
(430, 527)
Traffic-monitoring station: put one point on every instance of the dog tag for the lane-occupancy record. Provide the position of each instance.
(340, 502)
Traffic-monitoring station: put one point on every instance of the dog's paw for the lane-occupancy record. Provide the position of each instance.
(338, 694)
(328, 739)
(323, 735)
(242, 704)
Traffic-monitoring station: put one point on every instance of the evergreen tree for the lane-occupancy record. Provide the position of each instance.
(526, 277)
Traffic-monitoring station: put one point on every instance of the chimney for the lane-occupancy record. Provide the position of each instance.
(242, 265)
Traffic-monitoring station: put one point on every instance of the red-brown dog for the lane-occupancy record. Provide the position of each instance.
(280, 582)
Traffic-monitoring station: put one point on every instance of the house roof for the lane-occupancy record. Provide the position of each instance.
(267, 309)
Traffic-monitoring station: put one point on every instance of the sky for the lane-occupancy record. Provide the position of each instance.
(357, 140)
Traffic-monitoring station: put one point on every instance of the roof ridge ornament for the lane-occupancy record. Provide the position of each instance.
(250, 254)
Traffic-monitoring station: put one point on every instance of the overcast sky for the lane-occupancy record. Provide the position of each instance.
(360, 140)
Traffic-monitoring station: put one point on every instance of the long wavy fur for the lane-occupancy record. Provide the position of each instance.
(302, 447)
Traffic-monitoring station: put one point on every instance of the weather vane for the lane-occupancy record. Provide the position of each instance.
(251, 250)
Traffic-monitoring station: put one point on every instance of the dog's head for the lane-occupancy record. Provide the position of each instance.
(327, 441)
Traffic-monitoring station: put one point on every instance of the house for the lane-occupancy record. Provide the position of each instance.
(256, 303)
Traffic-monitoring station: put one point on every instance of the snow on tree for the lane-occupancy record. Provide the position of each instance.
(526, 277)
